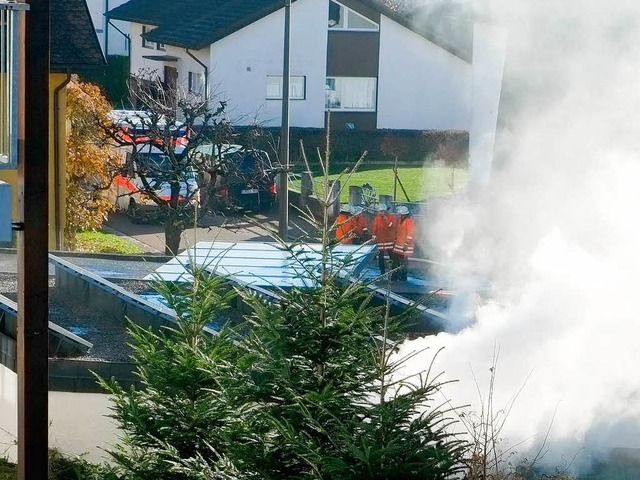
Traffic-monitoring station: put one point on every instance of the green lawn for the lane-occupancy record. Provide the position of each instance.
(419, 182)
(102, 242)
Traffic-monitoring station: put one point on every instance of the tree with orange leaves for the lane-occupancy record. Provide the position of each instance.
(90, 162)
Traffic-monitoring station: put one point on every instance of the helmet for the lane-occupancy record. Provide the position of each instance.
(402, 210)
(382, 207)
(345, 208)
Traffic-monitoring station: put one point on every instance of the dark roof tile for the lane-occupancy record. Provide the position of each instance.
(195, 24)
(74, 44)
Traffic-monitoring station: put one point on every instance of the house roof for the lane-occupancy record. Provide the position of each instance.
(208, 21)
(74, 44)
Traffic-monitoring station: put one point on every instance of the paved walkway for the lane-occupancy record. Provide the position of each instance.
(254, 227)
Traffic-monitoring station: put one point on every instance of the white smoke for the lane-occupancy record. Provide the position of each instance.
(557, 233)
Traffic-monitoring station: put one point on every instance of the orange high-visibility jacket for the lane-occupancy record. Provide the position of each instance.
(406, 236)
(385, 226)
(344, 227)
(360, 225)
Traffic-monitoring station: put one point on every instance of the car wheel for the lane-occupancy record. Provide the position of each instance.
(265, 206)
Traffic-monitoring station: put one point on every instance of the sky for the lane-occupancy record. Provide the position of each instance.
(557, 236)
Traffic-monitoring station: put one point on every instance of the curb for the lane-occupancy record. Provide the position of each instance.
(142, 257)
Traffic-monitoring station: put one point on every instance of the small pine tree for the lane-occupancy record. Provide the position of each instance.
(303, 389)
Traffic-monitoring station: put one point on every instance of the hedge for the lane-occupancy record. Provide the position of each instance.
(112, 79)
(412, 147)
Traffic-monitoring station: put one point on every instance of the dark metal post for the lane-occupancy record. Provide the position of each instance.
(283, 193)
(33, 199)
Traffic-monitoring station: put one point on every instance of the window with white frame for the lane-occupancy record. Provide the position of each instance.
(196, 83)
(343, 18)
(147, 44)
(297, 87)
(351, 93)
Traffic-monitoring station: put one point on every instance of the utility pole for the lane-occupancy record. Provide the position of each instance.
(33, 273)
(283, 194)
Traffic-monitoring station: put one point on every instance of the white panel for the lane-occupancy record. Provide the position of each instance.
(261, 264)
(489, 48)
(5, 212)
(241, 62)
(420, 85)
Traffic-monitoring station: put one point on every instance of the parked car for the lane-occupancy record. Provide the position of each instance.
(236, 178)
(145, 168)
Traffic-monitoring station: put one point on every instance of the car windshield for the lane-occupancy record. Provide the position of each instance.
(154, 161)
(159, 164)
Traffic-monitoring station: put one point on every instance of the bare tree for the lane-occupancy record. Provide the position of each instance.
(159, 142)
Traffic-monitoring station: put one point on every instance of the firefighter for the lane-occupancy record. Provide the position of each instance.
(404, 244)
(344, 226)
(384, 233)
(360, 226)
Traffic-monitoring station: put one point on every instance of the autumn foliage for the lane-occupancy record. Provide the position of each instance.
(90, 161)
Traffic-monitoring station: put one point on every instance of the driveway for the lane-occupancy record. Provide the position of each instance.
(256, 227)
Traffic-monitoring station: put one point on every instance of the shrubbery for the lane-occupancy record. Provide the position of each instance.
(411, 146)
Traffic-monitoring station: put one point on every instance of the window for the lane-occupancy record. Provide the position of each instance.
(343, 18)
(196, 83)
(297, 87)
(160, 46)
(351, 93)
(9, 53)
(146, 43)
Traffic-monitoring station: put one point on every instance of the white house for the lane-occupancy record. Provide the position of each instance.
(372, 67)
(113, 36)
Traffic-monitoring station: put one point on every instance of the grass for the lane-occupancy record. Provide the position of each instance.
(102, 242)
(419, 182)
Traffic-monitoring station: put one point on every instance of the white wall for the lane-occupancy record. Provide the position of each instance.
(241, 62)
(420, 85)
(185, 64)
(489, 50)
(78, 422)
(117, 42)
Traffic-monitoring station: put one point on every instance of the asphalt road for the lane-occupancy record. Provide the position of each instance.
(251, 227)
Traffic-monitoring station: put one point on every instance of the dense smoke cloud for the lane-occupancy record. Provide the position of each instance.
(557, 233)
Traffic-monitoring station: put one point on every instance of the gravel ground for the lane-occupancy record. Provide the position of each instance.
(109, 337)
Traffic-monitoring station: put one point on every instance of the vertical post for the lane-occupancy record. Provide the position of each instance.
(306, 188)
(283, 192)
(355, 195)
(335, 198)
(105, 21)
(395, 177)
(33, 200)
(387, 200)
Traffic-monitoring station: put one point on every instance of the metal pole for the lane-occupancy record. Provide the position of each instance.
(106, 30)
(33, 200)
(283, 193)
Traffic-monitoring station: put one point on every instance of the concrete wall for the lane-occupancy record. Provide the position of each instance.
(420, 85)
(241, 62)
